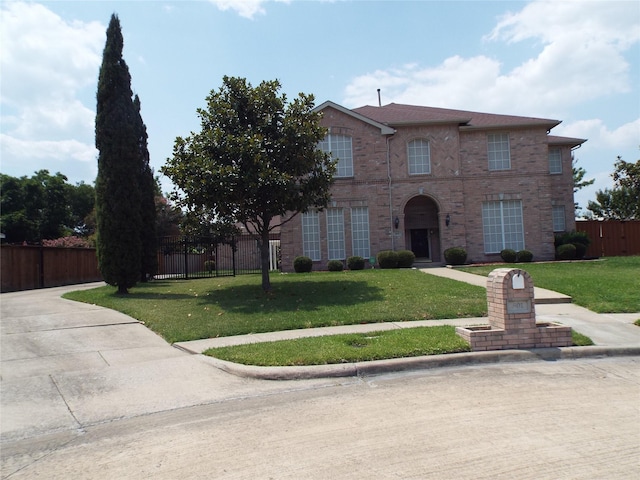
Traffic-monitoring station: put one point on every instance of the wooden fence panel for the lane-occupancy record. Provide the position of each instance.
(29, 267)
(611, 238)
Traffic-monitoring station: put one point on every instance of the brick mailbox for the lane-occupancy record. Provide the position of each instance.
(512, 317)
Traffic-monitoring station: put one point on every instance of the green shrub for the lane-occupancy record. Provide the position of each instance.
(387, 259)
(302, 264)
(572, 237)
(455, 255)
(335, 266)
(405, 258)
(566, 251)
(355, 263)
(508, 255)
(581, 249)
(210, 265)
(524, 256)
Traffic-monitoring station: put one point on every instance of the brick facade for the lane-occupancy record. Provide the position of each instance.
(456, 187)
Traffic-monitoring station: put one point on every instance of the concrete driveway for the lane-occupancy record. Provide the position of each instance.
(87, 392)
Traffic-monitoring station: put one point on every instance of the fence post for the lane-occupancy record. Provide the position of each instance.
(186, 259)
(41, 267)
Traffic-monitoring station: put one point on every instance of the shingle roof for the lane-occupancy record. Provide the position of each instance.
(573, 142)
(395, 114)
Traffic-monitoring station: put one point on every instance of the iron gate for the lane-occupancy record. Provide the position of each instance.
(203, 257)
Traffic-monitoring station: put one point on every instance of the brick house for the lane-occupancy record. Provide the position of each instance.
(426, 179)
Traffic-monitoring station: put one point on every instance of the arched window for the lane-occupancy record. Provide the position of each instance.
(419, 157)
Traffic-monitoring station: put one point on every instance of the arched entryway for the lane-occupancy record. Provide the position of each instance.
(422, 231)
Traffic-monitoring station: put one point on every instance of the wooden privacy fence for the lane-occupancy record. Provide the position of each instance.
(29, 267)
(611, 238)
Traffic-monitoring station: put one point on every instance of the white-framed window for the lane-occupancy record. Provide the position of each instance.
(339, 146)
(499, 151)
(335, 234)
(555, 161)
(419, 157)
(558, 217)
(311, 235)
(502, 225)
(360, 231)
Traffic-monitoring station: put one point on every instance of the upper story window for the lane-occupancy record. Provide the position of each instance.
(499, 151)
(339, 146)
(555, 161)
(419, 157)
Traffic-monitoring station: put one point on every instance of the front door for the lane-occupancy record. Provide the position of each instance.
(420, 243)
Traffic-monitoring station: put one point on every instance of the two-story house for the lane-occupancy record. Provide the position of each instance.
(426, 179)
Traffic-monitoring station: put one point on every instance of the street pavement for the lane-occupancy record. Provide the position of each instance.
(70, 370)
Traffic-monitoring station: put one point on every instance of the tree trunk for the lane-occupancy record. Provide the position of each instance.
(264, 260)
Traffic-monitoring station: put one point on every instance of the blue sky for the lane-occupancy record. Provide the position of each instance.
(575, 61)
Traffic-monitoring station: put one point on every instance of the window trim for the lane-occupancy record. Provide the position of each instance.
(555, 209)
(357, 221)
(492, 163)
(336, 249)
(519, 243)
(311, 238)
(426, 164)
(556, 162)
(326, 145)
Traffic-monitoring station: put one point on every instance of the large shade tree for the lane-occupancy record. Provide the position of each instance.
(623, 201)
(118, 211)
(254, 160)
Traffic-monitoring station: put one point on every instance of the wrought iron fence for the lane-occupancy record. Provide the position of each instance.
(204, 257)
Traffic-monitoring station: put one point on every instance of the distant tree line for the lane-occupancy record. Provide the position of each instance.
(45, 206)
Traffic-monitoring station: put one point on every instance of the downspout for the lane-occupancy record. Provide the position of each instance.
(393, 241)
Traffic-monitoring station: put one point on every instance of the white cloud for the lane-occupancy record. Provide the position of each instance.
(245, 8)
(61, 150)
(46, 63)
(552, 21)
(624, 138)
(580, 56)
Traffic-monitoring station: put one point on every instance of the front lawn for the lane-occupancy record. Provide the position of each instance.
(183, 310)
(608, 285)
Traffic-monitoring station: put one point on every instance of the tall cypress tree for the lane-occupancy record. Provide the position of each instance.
(147, 186)
(118, 212)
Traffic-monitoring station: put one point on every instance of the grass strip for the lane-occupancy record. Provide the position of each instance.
(355, 347)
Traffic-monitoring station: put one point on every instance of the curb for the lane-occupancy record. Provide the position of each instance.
(377, 367)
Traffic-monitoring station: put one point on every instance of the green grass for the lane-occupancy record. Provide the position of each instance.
(609, 285)
(183, 310)
(357, 347)
(580, 340)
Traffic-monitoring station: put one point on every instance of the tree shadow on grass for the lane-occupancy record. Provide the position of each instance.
(153, 291)
(293, 296)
